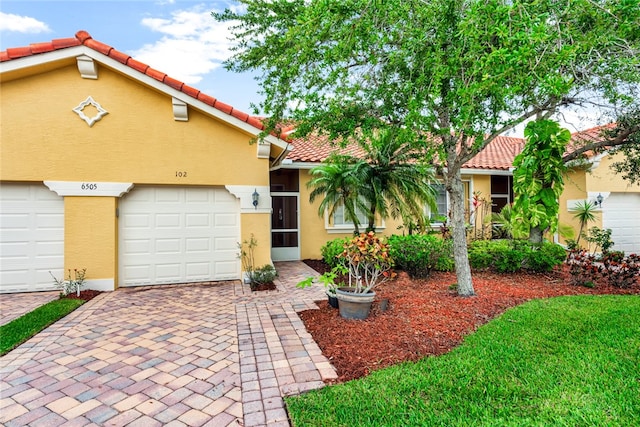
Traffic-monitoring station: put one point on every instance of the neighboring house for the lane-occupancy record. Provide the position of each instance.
(110, 165)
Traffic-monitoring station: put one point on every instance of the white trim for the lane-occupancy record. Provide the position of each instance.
(73, 52)
(245, 192)
(180, 112)
(104, 285)
(89, 188)
(87, 67)
(90, 120)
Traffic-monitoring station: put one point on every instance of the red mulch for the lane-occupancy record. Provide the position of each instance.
(87, 295)
(264, 287)
(425, 317)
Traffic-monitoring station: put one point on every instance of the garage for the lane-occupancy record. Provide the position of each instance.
(178, 235)
(31, 237)
(621, 213)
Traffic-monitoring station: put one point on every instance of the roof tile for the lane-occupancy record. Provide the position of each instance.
(98, 46)
(63, 43)
(18, 52)
(207, 99)
(137, 65)
(158, 75)
(41, 47)
(191, 91)
(119, 56)
(225, 108)
(176, 84)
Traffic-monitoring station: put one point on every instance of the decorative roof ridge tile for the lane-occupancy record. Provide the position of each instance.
(84, 38)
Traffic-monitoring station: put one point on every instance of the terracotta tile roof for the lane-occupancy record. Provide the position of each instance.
(499, 154)
(316, 148)
(84, 38)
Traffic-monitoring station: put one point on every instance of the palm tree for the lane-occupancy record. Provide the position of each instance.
(338, 181)
(391, 181)
(585, 213)
(399, 180)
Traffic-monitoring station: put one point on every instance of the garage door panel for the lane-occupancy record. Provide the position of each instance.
(183, 235)
(31, 237)
(621, 214)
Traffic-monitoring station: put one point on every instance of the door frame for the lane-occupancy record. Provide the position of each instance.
(291, 253)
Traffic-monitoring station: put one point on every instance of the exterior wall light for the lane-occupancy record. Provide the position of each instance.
(599, 200)
(256, 197)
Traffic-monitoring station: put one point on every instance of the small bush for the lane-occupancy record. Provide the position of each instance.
(509, 256)
(620, 271)
(332, 249)
(583, 268)
(419, 254)
(544, 257)
(261, 276)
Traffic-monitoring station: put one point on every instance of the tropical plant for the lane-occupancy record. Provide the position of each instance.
(337, 182)
(368, 261)
(71, 284)
(584, 211)
(538, 179)
(255, 276)
(502, 227)
(450, 77)
(398, 182)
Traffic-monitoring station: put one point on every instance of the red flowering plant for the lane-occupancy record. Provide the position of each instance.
(368, 261)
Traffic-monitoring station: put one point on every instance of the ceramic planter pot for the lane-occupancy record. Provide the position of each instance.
(333, 300)
(354, 305)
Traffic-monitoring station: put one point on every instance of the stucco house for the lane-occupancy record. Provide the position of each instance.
(110, 165)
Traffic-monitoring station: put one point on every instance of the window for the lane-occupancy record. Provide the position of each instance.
(501, 192)
(339, 219)
(339, 224)
(442, 202)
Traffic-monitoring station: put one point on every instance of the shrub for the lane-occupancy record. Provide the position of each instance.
(368, 261)
(545, 256)
(620, 271)
(509, 256)
(583, 268)
(262, 275)
(332, 249)
(418, 254)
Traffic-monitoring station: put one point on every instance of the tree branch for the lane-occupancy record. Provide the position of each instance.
(619, 139)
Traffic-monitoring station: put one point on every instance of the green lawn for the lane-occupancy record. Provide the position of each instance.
(567, 361)
(24, 327)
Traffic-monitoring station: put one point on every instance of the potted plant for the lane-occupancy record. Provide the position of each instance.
(369, 264)
(328, 280)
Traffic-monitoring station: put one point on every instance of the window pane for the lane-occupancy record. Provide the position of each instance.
(499, 184)
(441, 202)
(285, 180)
(339, 217)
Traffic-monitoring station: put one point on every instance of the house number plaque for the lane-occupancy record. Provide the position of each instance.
(181, 174)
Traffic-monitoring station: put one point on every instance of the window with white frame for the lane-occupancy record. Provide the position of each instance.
(340, 219)
(443, 204)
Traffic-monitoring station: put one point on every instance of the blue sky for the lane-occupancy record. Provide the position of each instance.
(178, 37)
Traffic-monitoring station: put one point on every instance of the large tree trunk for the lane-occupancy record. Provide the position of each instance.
(535, 235)
(460, 254)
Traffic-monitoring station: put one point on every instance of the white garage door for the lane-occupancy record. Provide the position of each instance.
(31, 237)
(178, 235)
(621, 213)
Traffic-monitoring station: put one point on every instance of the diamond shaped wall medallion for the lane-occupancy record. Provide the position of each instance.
(90, 120)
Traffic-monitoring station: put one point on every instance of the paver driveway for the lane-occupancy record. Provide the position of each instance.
(206, 354)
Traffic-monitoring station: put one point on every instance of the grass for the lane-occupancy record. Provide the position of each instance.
(566, 361)
(24, 327)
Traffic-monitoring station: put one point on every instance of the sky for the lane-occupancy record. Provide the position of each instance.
(177, 37)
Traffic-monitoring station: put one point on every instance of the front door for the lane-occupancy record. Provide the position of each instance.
(285, 238)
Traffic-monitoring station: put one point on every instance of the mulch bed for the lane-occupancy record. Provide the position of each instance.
(87, 295)
(426, 317)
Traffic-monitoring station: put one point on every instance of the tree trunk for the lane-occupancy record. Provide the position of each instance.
(460, 254)
(535, 235)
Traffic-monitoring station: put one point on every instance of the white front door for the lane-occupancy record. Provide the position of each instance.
(285, 235)
(31, 238)
(178, 235)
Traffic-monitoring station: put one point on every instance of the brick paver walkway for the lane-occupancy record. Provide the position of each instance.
(13, 306)
(210, 354)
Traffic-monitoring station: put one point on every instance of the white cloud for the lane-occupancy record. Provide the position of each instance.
(193, 44)
(22, 24)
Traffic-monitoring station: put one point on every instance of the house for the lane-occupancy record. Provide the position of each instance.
(110, 165)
